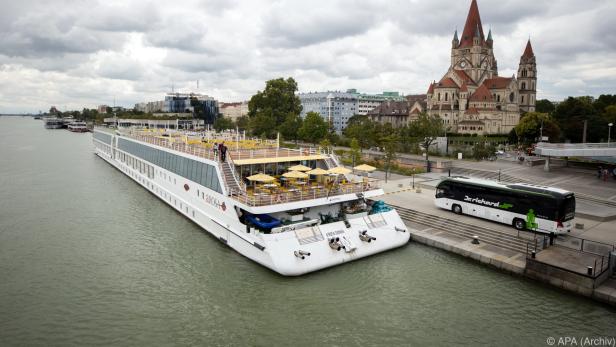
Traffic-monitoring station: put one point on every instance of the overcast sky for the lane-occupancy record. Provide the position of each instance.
(82, 53)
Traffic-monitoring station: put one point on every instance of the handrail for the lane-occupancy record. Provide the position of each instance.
(238, 181)
(262, 199)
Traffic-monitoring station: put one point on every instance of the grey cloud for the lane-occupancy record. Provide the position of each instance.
(293, 24)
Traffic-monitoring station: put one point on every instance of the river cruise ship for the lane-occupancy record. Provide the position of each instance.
(293, 211)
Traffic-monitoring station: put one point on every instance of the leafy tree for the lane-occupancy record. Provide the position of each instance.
(390, 145)
(483, 150)
(544, 106)
(242, 122)
(269, 108)
(263, 124)
(355, 152)
(427, 128)
(570, 116)
(361, 128)
(326, 145)
(314, 128)
(529, 128)
(289, 128)
(223, 123)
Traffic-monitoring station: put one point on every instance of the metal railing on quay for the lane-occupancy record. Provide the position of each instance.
(584, 245)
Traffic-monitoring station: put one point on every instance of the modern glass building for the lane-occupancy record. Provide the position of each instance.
(202, 106)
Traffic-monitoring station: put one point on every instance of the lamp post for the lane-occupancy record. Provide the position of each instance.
(609, 133)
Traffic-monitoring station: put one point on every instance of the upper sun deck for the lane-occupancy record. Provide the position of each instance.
(246, 157)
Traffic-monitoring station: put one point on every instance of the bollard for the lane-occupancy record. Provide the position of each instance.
(533, 254)
(475, 240)
(589, 270)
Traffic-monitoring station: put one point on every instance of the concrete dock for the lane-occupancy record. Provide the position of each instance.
(503, 247)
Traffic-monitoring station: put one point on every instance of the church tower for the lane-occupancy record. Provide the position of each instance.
(527, 79)
(473, 53)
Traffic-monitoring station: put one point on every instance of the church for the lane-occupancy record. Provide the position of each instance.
(472, 98)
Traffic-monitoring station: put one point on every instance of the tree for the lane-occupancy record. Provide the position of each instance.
(361, 128)
(529, 128)
(314, 128)
(390, 145)
(427, 128)
(570, 116)
(223, 123)
(355, 152)
(242, 123)
(483, 150)
(544, 106)
(289, 128)
(269, 108)
(325, 145)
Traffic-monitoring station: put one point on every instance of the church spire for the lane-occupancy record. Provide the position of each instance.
(489, 35)
(528, 51)
(472, 26)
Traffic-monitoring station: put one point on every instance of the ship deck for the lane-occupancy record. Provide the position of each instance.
(280, 192)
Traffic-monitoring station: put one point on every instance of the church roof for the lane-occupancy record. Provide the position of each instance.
(464, 76)
(464, 88)
(528, 51)
(481, 94)
(431, 88)
(447, 82)
(497, 82)
(473, 23)
(472, 110)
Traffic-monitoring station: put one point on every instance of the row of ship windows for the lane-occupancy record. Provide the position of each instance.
(157, 190)
(201, 173)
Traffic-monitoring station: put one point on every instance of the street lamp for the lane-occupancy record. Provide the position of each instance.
(609, 132)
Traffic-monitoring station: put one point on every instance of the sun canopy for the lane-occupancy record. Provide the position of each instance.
(365, 167)
(317, 171)
(261, 178)
(299, 168)
(339, 170)
(294, 174)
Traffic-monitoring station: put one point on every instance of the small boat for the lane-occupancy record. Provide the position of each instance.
(78, 127)
(263, 221)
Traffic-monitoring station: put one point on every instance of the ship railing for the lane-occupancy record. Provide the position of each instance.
(304, 193)
(273, 152)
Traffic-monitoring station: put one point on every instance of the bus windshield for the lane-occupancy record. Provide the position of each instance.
(567, 207)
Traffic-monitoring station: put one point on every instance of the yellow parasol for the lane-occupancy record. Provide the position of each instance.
(365, 167)
(317, 171)
(261, 178)
(299, 168)
(295, 174)
(340, 170)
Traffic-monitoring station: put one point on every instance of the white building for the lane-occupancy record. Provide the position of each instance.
(234, 110)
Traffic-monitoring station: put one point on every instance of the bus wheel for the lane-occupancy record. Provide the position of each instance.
(457, 209)
(519, 224)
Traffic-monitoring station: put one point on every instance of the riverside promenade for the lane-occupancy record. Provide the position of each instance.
(503, 247)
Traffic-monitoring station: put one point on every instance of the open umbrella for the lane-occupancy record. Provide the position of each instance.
(365, 167)
(317, 172)
(299, 168)
(340, 170)
(261, 178)
(294, 174)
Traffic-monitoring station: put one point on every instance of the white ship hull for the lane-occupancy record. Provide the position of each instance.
(216, 214)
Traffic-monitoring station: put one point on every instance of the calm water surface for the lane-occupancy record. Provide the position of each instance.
(87, 257)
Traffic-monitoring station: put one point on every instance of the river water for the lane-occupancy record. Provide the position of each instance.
(87, 257)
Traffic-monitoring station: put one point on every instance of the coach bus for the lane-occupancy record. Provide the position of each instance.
(523, 206)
